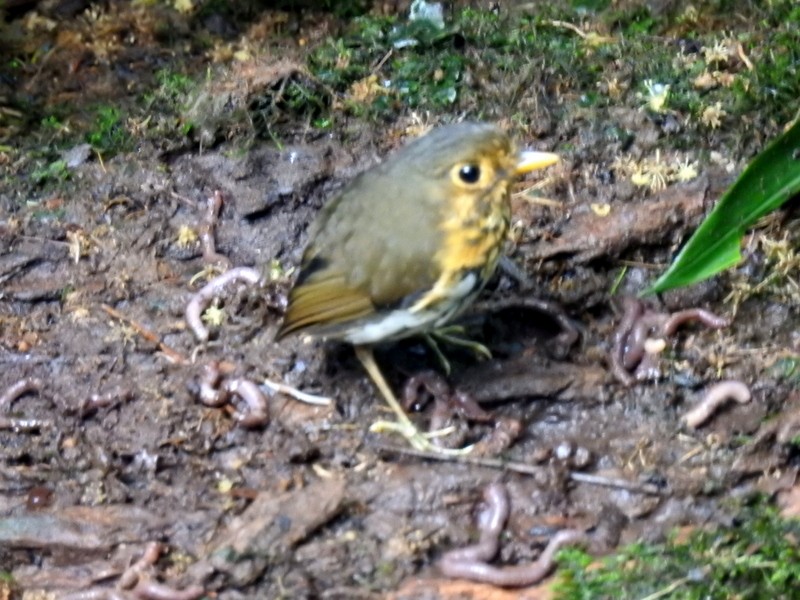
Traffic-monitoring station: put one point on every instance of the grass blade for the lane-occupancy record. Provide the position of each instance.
(768, 181)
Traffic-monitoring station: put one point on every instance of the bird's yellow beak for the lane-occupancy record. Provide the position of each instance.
(529, 160)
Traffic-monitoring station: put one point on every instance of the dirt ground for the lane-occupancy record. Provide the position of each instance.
(111, 450)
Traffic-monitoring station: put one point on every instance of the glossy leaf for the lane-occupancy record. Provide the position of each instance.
(768, 181)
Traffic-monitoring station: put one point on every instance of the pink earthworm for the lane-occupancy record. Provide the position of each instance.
(470, 562)
(715, 397)
(14, 391)
(207, 242)
(199, 301)
(258, 412)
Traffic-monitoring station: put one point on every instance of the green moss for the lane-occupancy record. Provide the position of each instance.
(633, 22)
(45, 215)
(486, 65)
(786, 369)
(53, 172)
(509, 64)
(53, 123)
(108, 135)
(756, 556)
(172, 87)
(421, 67)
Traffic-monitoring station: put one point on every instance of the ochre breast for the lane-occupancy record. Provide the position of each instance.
(474, 231)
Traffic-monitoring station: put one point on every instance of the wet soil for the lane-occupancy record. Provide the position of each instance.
(114, 451)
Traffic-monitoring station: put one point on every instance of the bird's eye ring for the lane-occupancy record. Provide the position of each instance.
(469, 173)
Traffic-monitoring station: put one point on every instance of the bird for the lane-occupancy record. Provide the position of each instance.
(407, 246)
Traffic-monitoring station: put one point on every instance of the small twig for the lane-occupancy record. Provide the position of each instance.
(570, 26)
(667, 591)
(382, 61)
(526, 469)
(740, 51)
(187, 201)
(591, 38)
(612, 482)
(172, 355)
(282, 388)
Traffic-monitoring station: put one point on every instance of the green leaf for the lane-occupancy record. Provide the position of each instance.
(768, 181)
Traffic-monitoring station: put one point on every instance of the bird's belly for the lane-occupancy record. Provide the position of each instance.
(404, 322)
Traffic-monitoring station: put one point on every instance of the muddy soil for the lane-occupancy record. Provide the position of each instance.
(111, 450)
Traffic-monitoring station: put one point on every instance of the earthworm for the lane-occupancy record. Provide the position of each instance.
(212, 394)
(152, 590)
(638, 323)
(634, 350)
(438, 388)
(519, 575)
(470, 562)
(715, 397)
(14, 391)
(132, 585)
(199, 301)
(506, 431)
(490, 522)
(207, 243)
(97, 594)
(258, 414)
(467, 407)
(631, 310)
(97, 401)
(149, 557)
(448, 402)
(209, 379)
(707, 318)
(648, 368)
(428, 381)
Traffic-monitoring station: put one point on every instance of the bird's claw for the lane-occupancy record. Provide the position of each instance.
(453, 335)
(419, 440)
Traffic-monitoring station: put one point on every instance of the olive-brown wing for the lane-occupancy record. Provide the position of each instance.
(372, 249)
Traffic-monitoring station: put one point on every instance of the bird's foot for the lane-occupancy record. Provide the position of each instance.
(419, 440)
(453, 335)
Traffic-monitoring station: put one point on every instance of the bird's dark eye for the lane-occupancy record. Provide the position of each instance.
(469, 173)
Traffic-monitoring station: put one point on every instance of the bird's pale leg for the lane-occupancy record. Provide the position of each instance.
(403, 425)
(430, 339)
